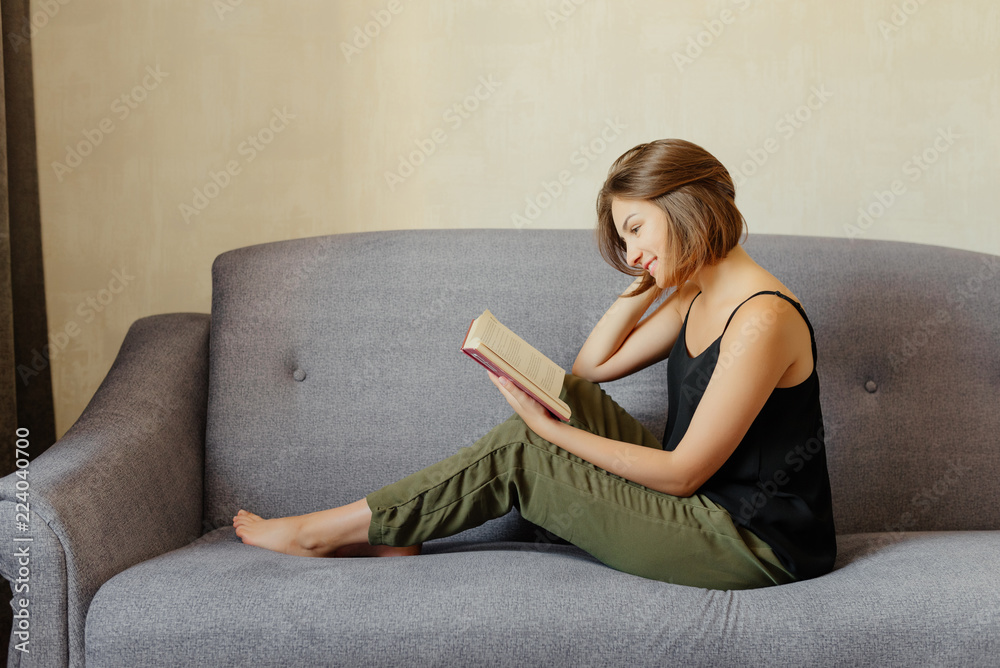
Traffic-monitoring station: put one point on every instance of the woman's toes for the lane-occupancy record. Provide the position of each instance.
(244, 518)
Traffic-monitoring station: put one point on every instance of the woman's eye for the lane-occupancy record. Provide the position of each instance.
(635, 228)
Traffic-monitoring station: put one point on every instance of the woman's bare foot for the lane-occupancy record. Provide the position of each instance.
(338, 532)
(283, 534)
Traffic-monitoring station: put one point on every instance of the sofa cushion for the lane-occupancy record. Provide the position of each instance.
(335, 364)
(894, 599)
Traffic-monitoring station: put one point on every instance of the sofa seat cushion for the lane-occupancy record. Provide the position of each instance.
(894, 599)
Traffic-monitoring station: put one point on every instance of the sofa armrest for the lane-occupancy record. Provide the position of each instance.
(122, 486)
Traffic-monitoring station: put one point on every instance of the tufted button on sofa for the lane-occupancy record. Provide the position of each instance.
(330, 366)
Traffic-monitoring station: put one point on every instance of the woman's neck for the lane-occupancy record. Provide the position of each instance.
(726, 278)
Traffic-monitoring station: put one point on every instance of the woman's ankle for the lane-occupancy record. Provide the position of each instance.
(330, 530)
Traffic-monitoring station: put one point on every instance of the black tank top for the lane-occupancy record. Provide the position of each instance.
(776, 482)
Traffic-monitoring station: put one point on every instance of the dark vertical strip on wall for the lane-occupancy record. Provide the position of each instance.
(25, 398)
(23, 314)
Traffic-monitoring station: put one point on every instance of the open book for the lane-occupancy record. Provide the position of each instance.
(505, 354)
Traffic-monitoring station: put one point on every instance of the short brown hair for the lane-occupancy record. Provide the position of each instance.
(695, 192)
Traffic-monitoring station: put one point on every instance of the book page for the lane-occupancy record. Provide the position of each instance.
(482, 353)
(542, 371)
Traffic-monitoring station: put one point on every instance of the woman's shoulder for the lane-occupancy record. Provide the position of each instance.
(686, 293)
(767, 282)
(776, 316)
(779, 287)
(756, 302)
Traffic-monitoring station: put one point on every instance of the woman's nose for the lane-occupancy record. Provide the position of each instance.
(633, 257)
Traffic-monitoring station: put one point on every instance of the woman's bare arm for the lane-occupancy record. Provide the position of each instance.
(756, 355)
(618, 347)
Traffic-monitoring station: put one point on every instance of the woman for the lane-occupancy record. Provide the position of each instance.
(737, 496)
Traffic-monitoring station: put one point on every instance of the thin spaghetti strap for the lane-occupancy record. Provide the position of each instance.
(692, 304)
(794, 303)
(762, 292)
(812, 334)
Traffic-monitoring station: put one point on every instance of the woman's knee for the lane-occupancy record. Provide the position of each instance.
(513, 429)
(586, 401)
(576, 386)
(597, 412)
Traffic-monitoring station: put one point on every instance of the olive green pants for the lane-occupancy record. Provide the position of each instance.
(682, 540)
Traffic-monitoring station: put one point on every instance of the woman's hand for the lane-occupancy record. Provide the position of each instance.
(536, 416)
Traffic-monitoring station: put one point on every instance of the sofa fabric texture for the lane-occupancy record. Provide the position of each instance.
(121, 486)
(330, 366)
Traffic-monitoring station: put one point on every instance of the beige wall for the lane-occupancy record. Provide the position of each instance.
(816, 107)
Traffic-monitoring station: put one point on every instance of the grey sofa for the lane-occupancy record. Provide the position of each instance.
(330, 366)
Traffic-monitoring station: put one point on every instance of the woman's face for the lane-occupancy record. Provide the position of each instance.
(643, 227)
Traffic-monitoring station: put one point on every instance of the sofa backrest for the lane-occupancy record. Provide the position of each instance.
(335, 364)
